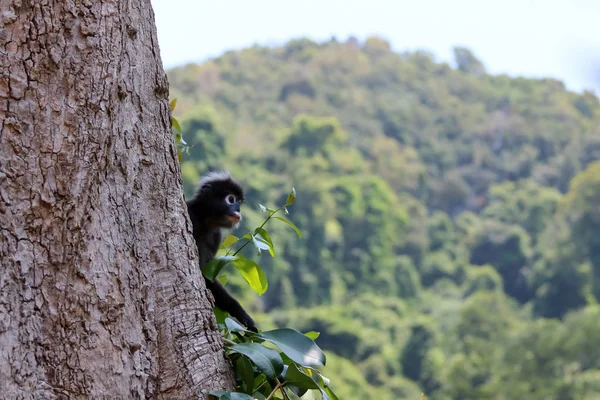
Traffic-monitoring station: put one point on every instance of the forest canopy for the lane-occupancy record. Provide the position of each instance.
(450, 217)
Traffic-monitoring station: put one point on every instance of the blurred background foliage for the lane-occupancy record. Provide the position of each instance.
(451, 218)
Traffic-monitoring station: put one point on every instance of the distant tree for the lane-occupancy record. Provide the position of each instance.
(302, 87)
(422, 340)
(582, 212)
(507, 248)
(485, 315)
(450, 194)
(561, 285)
(467, 62)
(312, 135)
(483, 278)
(440, 230)
(524, 203)
(376, 45)
(438, 265)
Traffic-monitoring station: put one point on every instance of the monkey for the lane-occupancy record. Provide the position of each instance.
(216, 206)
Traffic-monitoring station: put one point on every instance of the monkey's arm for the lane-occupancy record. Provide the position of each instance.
(227, 303)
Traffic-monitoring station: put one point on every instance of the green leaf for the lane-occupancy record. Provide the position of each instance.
(300, 377)
(233, 326)
(245, 373)
(172, 104)
(220, 315)
(260, 243)
(261, 383)
(329, 393)
(323, 384)
(312, 334)
(225, 395)
(229, 240)
(252, 273)
(309, 378)
(267, 239)
(175, 124)
(291, 394)
(298, 347)
(290, 224)
(212, 268)
(291, 197)
(264, 234)
(266, 360)
(262, 208)
(259, 396)
(286, 359)
(222, 279)
(320, 381)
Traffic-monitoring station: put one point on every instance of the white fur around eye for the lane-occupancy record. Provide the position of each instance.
(230, 199)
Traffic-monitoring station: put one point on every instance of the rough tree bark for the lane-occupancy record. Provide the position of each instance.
(100, 294)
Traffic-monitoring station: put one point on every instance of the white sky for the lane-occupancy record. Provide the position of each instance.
(534, 38)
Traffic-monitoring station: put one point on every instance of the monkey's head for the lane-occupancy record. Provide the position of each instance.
(218, 200)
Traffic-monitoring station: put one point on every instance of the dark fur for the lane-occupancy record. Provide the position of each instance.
(209, 214)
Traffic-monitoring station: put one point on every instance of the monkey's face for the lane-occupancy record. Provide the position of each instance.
(232, 215)
(218, 202)
(223, 210)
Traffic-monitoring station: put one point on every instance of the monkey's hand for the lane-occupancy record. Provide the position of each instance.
(227, 303)
(245, 320)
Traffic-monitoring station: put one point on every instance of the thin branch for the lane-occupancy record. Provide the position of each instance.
(285, 396)
(260, 227)
(279, 386)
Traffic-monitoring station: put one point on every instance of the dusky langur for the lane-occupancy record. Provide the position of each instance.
(216, 206)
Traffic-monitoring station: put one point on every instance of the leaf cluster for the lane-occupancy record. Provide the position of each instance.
(263, 372)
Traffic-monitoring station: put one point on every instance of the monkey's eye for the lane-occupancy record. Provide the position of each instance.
(230, 199)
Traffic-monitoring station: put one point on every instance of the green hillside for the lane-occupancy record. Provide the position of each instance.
(451, 218)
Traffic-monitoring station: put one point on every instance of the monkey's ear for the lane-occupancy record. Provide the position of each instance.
(203, 188)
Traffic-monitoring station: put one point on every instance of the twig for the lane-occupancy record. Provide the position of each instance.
(259, 228)
(279, 386)
(285, 396)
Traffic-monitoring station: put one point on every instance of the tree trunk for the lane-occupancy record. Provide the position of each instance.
(100, 291)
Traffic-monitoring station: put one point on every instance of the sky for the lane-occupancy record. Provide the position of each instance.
(533, 38)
